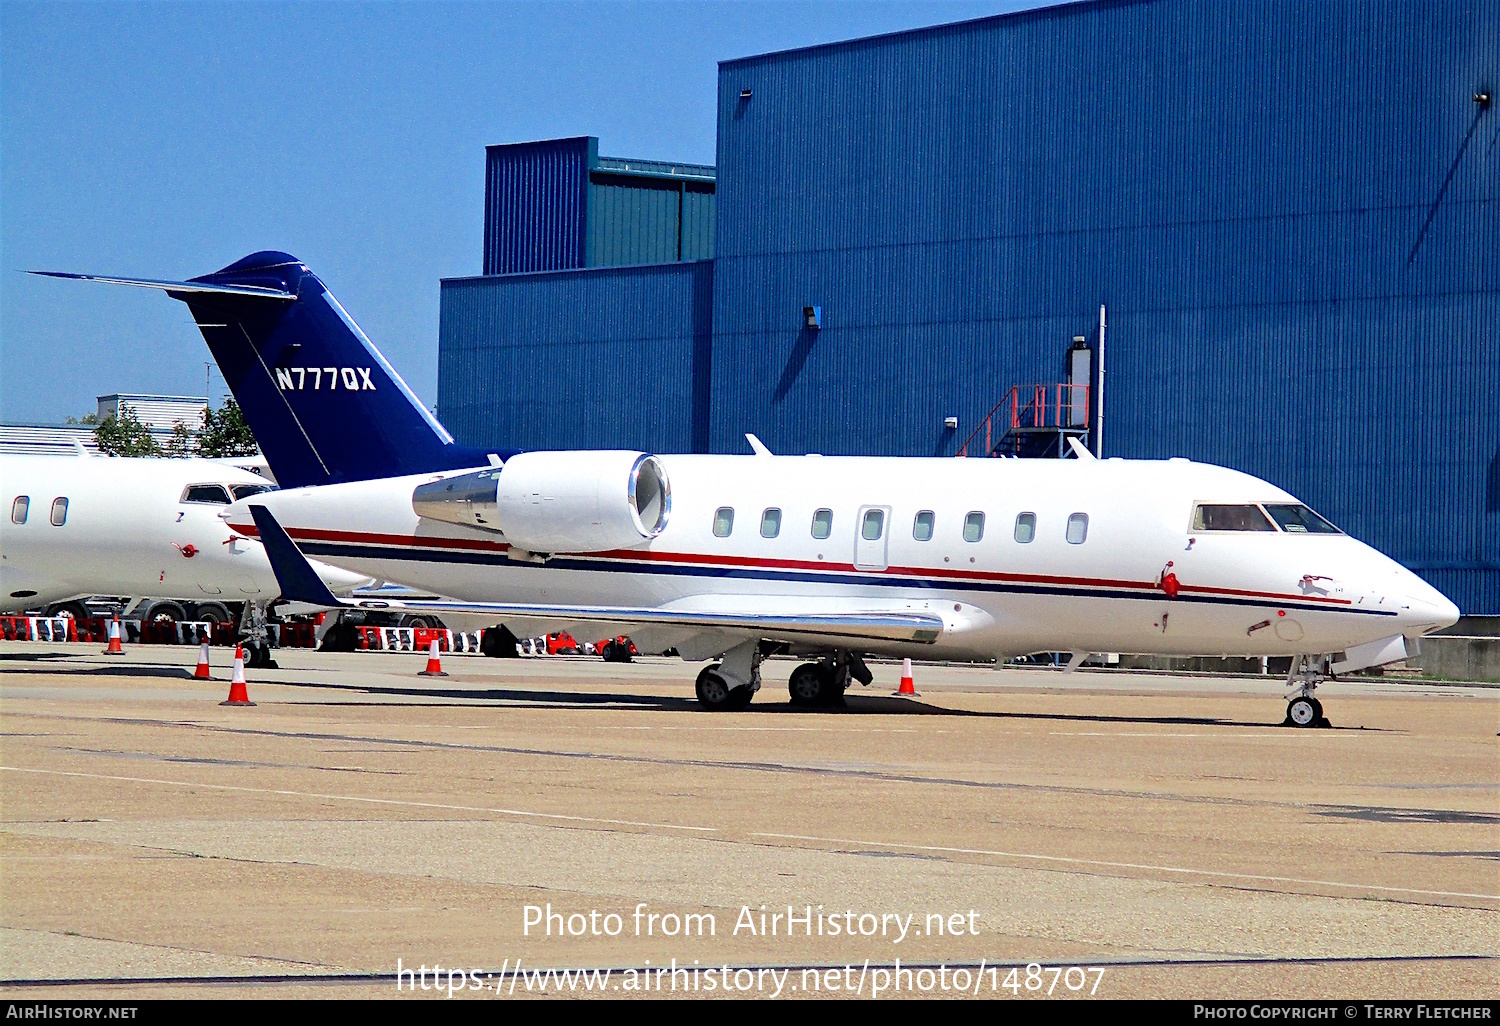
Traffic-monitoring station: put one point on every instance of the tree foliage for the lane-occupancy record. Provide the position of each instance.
(225, 432)
(125, 435)
(181, 444)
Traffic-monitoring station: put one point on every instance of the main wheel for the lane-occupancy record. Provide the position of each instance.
(713, 690)
(810, 684)
(214, 613)
(739, 698)
(72, 610)
(1304, 712)
(164, 612)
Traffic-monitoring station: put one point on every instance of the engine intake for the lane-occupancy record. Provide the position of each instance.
(558, 501)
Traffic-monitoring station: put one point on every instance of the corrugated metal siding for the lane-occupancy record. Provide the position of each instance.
(1290, 209)
(638, 219)
(600, 358)
(535, 199)
(633, 220)
(697, 221)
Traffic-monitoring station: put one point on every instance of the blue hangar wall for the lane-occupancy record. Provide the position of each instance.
(1290, 210)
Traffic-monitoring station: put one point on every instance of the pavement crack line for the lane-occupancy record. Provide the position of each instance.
(557, 816)
(174, 947)
(1052, 860)
(1103, 864)
(884, 776)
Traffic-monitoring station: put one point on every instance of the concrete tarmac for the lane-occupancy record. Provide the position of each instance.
(1163, 829)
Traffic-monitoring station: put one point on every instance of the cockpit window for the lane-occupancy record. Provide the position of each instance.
(245, 491)
(1295, 518)
(205, 493)
(1217, 517)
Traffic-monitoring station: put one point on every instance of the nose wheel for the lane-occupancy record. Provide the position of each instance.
(1302, 709)
(1304, 712)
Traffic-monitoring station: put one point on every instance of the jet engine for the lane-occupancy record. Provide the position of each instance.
(558, 501)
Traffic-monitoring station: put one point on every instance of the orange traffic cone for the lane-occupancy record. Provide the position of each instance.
(908, 688)
(237, 694)
(434, 664)
(201, 673)
(114, 638)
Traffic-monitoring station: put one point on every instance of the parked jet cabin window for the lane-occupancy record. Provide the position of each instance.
(1215, 517)
(1025, 527)
(723, 522)
(59, 512)
(245, 491)
(206, 493)
(874, 524)
(921, 528)
(822, 524)
(973, 527)
(19, 509)
(1078, 528)
(770, 523)
(1296, 518)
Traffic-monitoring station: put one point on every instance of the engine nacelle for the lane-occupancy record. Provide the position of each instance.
(558, 501)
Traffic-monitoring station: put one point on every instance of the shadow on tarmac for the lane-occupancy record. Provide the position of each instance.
(532, 698)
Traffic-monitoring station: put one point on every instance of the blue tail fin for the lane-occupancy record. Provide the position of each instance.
(318, 396)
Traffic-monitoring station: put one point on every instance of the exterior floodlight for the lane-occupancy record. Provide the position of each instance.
(813, 315)
(745, 94)
(951, 423)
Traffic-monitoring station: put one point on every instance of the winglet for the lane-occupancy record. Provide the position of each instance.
(1080, 450)
(757, 445)
(299, 581)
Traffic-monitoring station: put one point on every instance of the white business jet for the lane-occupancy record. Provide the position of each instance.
(729, 557)
(81, 526)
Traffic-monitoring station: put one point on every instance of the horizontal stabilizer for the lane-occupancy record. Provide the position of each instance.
(299, 581)
(252, 291)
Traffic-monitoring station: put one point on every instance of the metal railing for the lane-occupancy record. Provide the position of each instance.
(1055, 406)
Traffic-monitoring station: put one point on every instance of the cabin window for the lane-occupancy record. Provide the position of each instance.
(206, 493)
(59, 511)
(822, 524)
(873, 525)
(19, 509)
(1220, 517)
(1025, 528)
(770, 523)
(973, 527)
(1295, 518)
(723, 521)
(245, 491)
(1078, 528)
(921, 528)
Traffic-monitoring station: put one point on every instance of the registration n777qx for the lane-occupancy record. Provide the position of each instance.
(725, 558)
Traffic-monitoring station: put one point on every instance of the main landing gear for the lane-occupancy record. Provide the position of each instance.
(823, 683)
(729, 685)
(1302, 708)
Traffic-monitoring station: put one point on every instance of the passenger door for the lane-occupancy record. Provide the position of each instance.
(872, 531)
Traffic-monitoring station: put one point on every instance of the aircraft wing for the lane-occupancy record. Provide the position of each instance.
(299, 582)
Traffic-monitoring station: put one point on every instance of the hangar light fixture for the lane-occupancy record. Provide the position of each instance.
(1483, 99)
(951, 423)
(745, 93)
(813, 316)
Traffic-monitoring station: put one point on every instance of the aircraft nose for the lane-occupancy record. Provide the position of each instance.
(1426, 609)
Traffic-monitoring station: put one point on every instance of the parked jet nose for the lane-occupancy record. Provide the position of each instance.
(1424, 609)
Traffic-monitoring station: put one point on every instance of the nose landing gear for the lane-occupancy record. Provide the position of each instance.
(1302, 709)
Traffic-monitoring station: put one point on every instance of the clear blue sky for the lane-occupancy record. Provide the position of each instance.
(166, 140)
